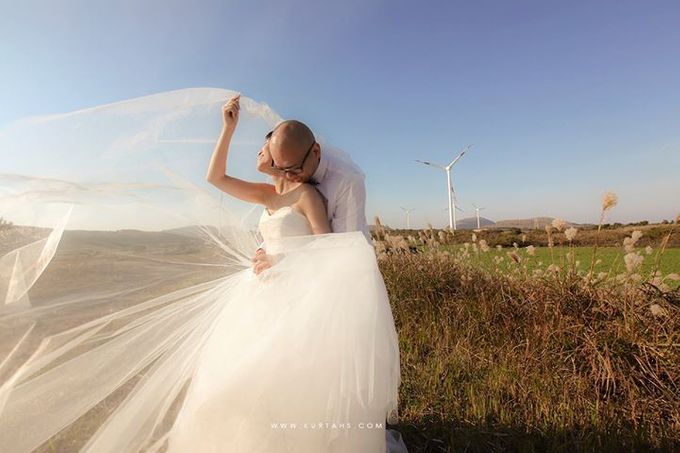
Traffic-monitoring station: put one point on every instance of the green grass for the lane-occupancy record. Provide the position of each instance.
(611, 258)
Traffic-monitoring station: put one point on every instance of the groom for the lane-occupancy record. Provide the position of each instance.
(295, 152)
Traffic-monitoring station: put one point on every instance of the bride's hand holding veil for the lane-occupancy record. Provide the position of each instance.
(250, 192)
(230, 113)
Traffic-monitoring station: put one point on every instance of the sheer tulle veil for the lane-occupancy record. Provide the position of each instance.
(112, 245)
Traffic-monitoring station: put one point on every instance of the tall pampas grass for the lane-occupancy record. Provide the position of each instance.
(664, 244)
(609, 201)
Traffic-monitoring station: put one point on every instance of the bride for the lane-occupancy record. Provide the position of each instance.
(300, 355)
(323, 376)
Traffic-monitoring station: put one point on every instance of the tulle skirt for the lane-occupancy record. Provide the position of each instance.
(302, 358)
(130, 319)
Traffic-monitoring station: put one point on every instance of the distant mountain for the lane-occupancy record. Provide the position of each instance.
(192, 231)
(122, 239)
(470, 223)
(19, 235)
(374, 227)
(528, 224)
(196, 231)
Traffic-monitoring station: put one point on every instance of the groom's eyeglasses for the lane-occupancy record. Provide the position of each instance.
(294, 170)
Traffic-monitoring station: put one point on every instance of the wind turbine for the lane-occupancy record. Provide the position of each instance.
(477, 209)
(456, 207)
(456, 204)
(408, 217)
(449, 184)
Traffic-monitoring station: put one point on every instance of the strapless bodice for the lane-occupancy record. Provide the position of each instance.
(286, 221)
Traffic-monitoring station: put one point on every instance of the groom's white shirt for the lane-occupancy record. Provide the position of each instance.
(343, 186)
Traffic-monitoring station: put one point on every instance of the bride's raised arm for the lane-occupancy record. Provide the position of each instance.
(252, 192)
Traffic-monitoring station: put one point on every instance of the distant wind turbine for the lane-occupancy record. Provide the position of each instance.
(408, 217)
(455, 200)
(457, 208)
(477, 209)
(449, 184)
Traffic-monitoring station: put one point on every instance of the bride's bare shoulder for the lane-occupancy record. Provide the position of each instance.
(310, 193)
(313, 205)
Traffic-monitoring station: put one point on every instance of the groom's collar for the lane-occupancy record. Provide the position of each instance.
(321, 169)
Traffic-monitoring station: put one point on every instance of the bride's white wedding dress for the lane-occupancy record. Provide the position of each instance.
(125, 283)
(303, 358)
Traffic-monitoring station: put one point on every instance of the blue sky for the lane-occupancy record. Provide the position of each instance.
(562, 100)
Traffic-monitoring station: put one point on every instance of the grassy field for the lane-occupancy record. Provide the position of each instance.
(608, 259)
(502, 352)
(499, 350)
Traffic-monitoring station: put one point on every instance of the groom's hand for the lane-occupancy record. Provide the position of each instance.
(261, 261)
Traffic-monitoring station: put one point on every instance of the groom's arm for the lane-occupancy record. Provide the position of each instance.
(350, 208)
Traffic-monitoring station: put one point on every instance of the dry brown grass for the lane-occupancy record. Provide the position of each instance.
(522, 362)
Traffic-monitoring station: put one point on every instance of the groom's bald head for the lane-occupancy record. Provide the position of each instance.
(294, 134)
(288, 145)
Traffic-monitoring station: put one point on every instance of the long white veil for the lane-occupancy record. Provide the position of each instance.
(111, 243)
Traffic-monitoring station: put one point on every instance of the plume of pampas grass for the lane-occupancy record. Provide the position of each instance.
(558, 224)
(551, 244)
(548, 230)
(379, 229)
(609, 200)
(514, 257)
(570, 233)
(629, 242)
(633, 260)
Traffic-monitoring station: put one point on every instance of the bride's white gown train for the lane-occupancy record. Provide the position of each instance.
(303, 358)
(125, 281)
